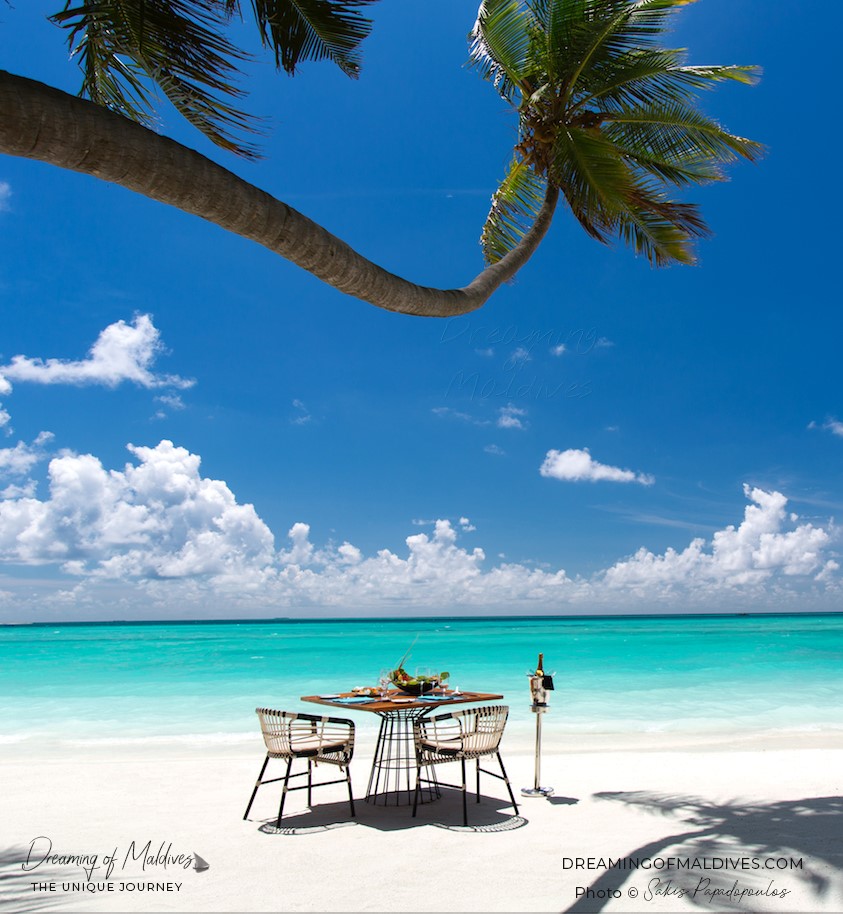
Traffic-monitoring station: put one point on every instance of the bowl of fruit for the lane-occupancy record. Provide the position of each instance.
(414, 685)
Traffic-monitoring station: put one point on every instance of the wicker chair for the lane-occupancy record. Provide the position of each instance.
(457, 737)
(287, 736)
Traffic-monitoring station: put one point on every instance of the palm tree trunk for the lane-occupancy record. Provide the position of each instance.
(40, 122)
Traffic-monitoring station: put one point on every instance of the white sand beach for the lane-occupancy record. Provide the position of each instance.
(713, 829)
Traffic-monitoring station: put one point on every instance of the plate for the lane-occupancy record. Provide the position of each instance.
(402, 701)
(328, 697)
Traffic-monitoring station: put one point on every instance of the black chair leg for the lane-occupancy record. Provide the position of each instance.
(508, 786)
(350, 794)
(255, 791)
(418, 785)
(464, 807)
(284, 793)
(478, 780)
(309, 783)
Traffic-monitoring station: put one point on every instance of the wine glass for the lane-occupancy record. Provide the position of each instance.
(383, 683)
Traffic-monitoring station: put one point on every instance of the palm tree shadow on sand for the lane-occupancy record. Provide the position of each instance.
(811, 828)
(16, 892)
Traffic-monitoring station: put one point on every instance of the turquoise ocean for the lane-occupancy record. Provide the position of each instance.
(652, 680)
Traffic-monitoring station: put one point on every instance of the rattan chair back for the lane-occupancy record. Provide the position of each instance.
(460, 736)
(317, 740)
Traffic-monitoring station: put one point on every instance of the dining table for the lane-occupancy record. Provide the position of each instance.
(391, 778)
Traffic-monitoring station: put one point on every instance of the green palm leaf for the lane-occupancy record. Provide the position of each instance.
(610, 199)
(681, 132)
(662, 232)
(125, 46)
(299, 30)
(595, 180)
(515, 205)
(175, 43)
(609, 28)
(650, 76)
(500, 46)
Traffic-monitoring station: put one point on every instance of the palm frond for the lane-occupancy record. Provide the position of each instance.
(680, 171)
(611, 28)
(298, 30)
(500, 46)
(680, 132)
(652, 75)
(515, 205)
(613, 197)
(571, 29)
(594, 179)
(708, 75)
(108, 80)
(661, 230)
(175, 43)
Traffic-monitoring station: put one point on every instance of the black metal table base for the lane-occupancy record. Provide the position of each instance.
(393, 778)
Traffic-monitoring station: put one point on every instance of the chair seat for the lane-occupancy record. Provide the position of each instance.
(310, 747)
(469, 744)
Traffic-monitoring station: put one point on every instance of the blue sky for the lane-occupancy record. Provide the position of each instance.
(585, 441)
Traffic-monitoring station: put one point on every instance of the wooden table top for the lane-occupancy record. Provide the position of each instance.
(400, 701)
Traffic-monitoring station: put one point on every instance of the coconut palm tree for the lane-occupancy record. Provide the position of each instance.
(607, 118)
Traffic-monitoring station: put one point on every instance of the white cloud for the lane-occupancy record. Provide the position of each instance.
(173, 401)
(446, 412)
(303, 414)
(744, 556)
(835, 426)
(5, 194)
(168, 401)
(27, 490)
(157, 534)
(576, 465)
(5, 418)
(156, 519)
(494, 449)
(510, 416)
(518, 356)
(122, 352)
(561, 349)
(20, 459)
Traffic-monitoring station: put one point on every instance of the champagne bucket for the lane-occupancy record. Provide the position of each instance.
(540, 683)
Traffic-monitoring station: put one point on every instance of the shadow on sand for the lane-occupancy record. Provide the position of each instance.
(446, 813)
(811, 828)
(16, 892)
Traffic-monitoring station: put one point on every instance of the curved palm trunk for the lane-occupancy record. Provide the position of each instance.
(40, 122)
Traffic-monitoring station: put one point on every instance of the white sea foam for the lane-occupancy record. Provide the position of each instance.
(176, 739)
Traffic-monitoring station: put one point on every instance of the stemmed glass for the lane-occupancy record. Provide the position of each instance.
(383, 683)
(426, 674)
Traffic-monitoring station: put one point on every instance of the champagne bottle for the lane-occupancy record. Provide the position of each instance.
(540, 667)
